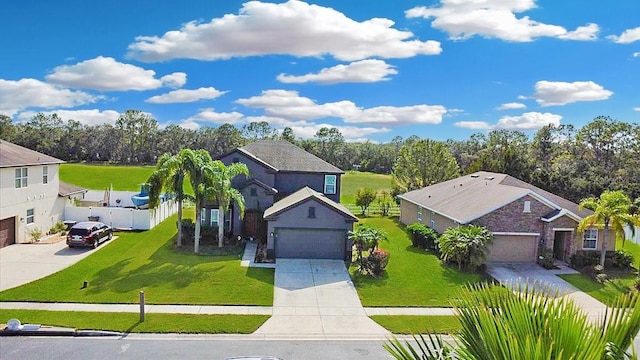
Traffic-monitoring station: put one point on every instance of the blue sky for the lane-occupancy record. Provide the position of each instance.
(374, 69)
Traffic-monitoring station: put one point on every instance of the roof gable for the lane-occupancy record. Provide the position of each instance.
(285, 156)
(302, 196)
(12, 155)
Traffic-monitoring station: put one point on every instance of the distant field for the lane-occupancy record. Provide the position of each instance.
(99, 177)
(354, 180)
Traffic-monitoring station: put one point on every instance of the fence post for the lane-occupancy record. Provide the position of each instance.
(141, 306)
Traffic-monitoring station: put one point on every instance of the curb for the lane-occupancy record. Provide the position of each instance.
(58, 331)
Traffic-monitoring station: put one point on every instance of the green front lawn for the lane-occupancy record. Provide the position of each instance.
(411, 324)
(605, 293)
(147, 261)
(413, 277)
(129, 322)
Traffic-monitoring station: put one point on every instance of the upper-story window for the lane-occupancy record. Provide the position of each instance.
(330, 184)
(590, 239)
(21, 178)
(45, 174)
(253, 191)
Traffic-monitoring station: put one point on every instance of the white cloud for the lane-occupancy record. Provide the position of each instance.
(28, 93)
(186, 96)
(511, 105)
(289, 104)
(307, 130)
(528, 121)
(356, 72)
(495, 19)
(628, 36)
(107, 74)
(549, 93)
(473, 125)
(636, 108)
(636, 54)
(210, 115)
(294, 28)
(190, 124)
(175, 80)
(91, 117)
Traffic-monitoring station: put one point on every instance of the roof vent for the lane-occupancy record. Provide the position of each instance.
(475, 176)
(489, 178)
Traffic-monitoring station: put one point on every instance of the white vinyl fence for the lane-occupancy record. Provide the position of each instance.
(633, 238)
(121, 217)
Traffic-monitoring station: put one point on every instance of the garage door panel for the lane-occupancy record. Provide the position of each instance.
(7, 232)
(310, 244)
(513, 248)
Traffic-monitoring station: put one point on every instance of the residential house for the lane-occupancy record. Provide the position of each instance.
(292, 201)
(31, 193)
(523, 218)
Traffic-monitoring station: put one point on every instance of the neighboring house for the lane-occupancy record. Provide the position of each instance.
(522, 217)
(278, 171)
(31, 194)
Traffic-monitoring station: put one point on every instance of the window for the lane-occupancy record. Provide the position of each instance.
(253, 191)
(312, 212)
(590, 239)
(214, 217)
(235, 159)
(30, 216)
(330, 184)
(203, 216)
(527, 207)
(21, 178)
(419, 213)
(45, 174)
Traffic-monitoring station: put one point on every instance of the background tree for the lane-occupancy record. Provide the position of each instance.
(364, 198)
(384, 200)
(260, 130)
(224, 193)
(610, 211)
(288, 135)
(466, 245)
(422, 163)
(138, 137)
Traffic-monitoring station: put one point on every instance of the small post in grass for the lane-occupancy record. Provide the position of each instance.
(141, 306)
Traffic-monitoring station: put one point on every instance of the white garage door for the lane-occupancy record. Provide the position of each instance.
(310, 244)
(513, 248)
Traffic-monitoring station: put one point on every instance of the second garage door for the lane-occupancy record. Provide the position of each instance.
(310, 244)
(513, 248)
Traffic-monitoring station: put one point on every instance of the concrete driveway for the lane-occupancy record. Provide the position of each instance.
(24, 263)
(517, 275)
(317, 299)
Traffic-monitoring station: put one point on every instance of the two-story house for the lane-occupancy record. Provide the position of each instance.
(31, 194)
(292, 200)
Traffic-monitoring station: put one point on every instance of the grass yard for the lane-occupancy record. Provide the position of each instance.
(354, 180)
(100, 177)
(129, 322)
(413, 277)
(146, 261)
(410, 324)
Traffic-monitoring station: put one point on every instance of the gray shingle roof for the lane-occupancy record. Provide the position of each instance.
(302, 195)
(469, 197)
(65, 189)
(12, 155)
(284, 156)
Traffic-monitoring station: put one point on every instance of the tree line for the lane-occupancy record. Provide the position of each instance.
(571, 162)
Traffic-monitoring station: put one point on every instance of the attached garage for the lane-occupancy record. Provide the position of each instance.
(311, 243)
(308, 225)
(7, 231)
(513, 248)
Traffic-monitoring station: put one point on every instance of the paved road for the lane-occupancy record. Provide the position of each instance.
(24, 263)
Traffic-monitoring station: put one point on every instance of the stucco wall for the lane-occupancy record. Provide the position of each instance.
(288, 183)
(256, 169)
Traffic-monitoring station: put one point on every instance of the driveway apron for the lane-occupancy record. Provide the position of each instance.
(517, 275)
(317, 298)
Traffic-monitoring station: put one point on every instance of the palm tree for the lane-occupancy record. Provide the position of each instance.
(198, 165)
(498, 324)
(465, 245)
(168, 177)
(221, 189)
(365, 238)
(612, 211)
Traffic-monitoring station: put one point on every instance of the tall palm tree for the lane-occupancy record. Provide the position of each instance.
(168, 177)
(612, 211)
(224, 193)
(502, 325)
(199, 167)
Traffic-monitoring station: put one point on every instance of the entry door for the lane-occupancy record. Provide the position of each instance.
(561, 240)
(253, 224)
(7, 232)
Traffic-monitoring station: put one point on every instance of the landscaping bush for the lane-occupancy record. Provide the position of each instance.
(622, 259)
(59, 227)
(422, 236)
(546, 259)
(584, 258)
(465, 245)
(34, 234)
(377, 262)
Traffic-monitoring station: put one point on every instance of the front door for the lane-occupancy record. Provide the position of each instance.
(560, 242)
(253, 225)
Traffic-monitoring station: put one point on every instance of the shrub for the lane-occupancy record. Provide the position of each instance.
(34, 234)
(377, 262)
(546, 259)
(585, 258)
(465, 245)
(422, 236)
(622, 259)
(59, 227)
(364, 198)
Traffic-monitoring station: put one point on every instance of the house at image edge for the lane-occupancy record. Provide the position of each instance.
(522, 217)
(31, 193)
(292, 199)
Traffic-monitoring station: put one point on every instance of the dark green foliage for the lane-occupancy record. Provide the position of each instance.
(465, 245)
(622, 259)
(364, 198)
(376, 262)
(584, 258)
(422, 236)
(546, 259)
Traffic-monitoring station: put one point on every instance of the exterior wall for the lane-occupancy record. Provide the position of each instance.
(511, 218)
(43, 198)
(261, 201)
(256, 170)
(409, 215)
(288, 183)
(297, 217)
